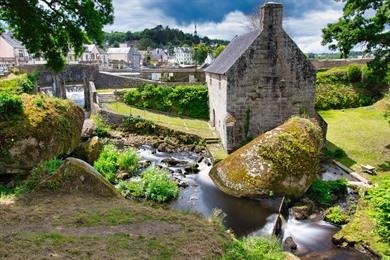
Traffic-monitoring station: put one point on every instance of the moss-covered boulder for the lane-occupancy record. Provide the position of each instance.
(47, 128)
(77, 176)
(283, 161)
(89, 150)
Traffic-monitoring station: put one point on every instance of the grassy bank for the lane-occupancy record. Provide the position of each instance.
(362, 136)
(187, 125)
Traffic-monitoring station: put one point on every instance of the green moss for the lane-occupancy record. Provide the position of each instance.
(336, 216)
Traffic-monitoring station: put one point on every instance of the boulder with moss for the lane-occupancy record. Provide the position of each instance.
(89, 150)
(283, 161)
(47, 128)
(77, 176)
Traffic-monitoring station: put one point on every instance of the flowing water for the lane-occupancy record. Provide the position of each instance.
(245, 216)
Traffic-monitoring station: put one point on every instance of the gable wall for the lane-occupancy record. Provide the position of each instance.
(273, 80)
(217, 85)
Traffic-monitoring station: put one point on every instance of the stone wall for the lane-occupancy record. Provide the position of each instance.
(268, 84)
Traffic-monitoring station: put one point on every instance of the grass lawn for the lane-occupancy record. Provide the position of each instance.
(364, 135)
(192, 126)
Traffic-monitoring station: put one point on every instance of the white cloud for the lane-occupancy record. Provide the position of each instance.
(306, 31)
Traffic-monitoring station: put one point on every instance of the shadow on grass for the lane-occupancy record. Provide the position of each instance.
(384, 167)
(338, 154)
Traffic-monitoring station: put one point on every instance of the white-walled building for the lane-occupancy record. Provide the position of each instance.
(183, 56)
(12, 52)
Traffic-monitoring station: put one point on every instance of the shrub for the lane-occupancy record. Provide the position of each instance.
(189, 101)
(372, 78)
(380, 199)
(10, 105)
(325, 192)
(107, 163)
(128, 160)
(354, 73)
(254, 248)
(158, 186)
(102, 129)
(137, 124)
(336, 216)
(25, 83)
(136, 189)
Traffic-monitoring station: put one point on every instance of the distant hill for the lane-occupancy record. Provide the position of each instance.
(163, 37)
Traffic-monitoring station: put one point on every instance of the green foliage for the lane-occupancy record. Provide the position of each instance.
(346, 87)
(336, 216)
(11, 105)
(200, 53)
(386, 112)
(25, 83)
(254, 248)
(380, 200)
(218, 50)
(189, 101)
(356, 27)
(38, 174)
(136, 189)
(137, 124)
(102, 129)
(354, 73)
(52, 28)
(107, 163)
(158, 36)
(155, 185)
(325, 192)
(128, 160)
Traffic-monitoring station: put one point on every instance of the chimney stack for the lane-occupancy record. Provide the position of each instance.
(271, 16)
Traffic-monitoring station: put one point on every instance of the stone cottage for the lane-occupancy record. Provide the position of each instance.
(259, 81)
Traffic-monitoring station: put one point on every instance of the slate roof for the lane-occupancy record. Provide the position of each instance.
(11, 41)
(233, 52)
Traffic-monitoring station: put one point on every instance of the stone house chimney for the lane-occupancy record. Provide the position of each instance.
(271, 16)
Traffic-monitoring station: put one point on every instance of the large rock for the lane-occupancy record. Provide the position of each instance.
(48, 128)
(77, 176)
(89, 151)
(283, 161)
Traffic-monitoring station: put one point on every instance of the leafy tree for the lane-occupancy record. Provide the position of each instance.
(51, 27)
(218, 50)
(200, 52)
(363, 22)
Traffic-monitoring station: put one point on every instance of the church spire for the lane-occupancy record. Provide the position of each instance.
(196, 31)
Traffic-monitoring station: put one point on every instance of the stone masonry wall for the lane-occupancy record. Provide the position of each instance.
(272, 81)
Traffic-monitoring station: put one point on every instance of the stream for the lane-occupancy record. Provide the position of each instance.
(245, 216)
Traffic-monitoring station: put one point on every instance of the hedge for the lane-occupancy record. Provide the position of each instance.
(191, 101)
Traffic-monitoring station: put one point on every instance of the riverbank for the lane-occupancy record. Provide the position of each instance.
(358, 137)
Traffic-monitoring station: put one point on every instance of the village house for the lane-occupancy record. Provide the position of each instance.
(183, 56)
(159, 55)
(12, 52)
(259, 81)
(91, 54)
(124, 56)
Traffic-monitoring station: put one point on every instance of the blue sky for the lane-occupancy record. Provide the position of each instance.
(224, 19)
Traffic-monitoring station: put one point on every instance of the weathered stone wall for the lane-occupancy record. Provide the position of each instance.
(217, 87)
(269, 83)
(73, 73)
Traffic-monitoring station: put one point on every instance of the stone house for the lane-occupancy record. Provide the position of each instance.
(259, 81)
(12, 52)
(183, 56)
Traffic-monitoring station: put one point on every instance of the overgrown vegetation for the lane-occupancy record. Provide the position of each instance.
(336, 216)
(191, 101)
(155, 185)
(11, 105)
(101, 129)
(111, 160)
(347, 87)
(386, 110)
(252, 248)
(326, 192)
(379, 198)
(38, 174)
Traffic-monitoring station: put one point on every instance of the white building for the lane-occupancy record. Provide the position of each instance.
(91, 54)
(12, 52)
(183, 56)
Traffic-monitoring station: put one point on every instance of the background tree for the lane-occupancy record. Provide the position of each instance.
(218, 50)
(364, 22)
(49, 28)
(200, 53)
